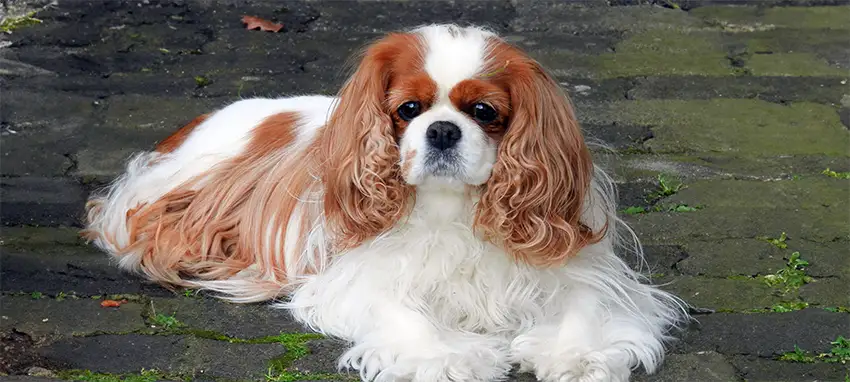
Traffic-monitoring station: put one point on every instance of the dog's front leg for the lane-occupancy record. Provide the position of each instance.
(589, 339)
(394, 342)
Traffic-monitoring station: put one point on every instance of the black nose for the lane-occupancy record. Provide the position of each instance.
(443, 135)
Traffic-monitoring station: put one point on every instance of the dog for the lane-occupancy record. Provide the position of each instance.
(443, 214)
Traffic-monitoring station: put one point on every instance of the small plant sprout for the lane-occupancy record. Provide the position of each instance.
(202, 81)
(666, 186)
(166, 321)
(840, 353)
(784, 307)
(778, 242)
(798, 355)
(683, 208)
(635, 210)
(793, 276)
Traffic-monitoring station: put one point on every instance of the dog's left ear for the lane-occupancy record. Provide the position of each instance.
(364, 193)
(533, 202)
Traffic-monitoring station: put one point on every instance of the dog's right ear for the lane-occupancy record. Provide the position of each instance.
(364, 192)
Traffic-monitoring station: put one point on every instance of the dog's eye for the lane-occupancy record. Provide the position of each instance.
(484, 113)
(409, 110)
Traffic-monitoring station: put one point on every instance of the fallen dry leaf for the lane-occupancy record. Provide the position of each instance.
(112, 303)
(253, 22)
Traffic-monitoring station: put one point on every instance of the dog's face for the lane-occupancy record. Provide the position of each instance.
(457, 108)
(449, 117)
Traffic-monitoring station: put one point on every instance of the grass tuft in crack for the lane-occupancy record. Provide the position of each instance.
(836, 175)
(637, 210)
(12, 23)
(274, 375)
(143, 376)
(792, 277)
(778, 242)
(840, 353)
(789, 306)
(167, 322)
(837, 309)
(296, 347)
(666, 186)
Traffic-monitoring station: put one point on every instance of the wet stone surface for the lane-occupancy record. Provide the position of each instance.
(746, 106)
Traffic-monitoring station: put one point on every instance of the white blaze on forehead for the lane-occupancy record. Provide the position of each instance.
(453, 54)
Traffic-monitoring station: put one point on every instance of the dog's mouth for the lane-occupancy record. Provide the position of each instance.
(444, 164)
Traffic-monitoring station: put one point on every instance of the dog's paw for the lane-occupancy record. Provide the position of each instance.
(426, 363)
(469, 364)
(587, 367)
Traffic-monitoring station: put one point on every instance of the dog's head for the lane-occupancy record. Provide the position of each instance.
(456, 107)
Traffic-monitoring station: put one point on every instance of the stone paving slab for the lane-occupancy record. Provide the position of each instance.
(745, 102)
(183, 355)
(232, 320)
(47, 317)
(766, 334)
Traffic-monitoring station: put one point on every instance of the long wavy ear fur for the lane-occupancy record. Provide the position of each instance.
(364, 191)
(534, 200)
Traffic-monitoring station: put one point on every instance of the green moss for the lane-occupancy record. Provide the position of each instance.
(635, 210)
(837, 309)
(792, 65)
(274, 375)
(739, 126)
(142, 376)
(786, 40)
(202, 81)
(791, 17)
(296, 347)
(683, 208)
(36, 295)
(665, 52)
(10, 24)
(128, 297)
(837, 175)
(724, 15)
(211, 335)
(808, 17)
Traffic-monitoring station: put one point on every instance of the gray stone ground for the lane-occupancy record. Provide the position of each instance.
(747, 106)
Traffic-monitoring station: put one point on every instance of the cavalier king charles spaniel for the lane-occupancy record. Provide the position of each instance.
(442, 214)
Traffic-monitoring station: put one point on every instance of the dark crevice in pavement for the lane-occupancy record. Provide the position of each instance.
(19, 354)
(72, 166)
(631, 85)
